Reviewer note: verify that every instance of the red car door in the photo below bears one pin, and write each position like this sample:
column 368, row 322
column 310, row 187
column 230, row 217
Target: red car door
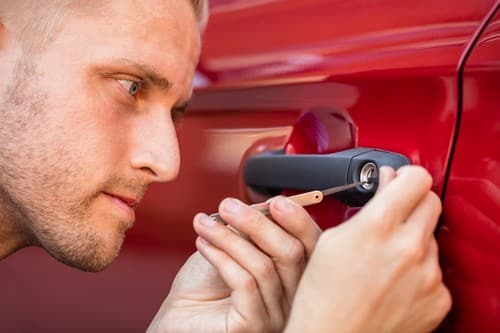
column 419, row 79
column 469, row 235
column 307, row 76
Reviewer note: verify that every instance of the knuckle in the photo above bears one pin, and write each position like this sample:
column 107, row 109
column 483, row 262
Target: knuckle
column 295, row 253
column 248, row 284
column 445, row 301
column 432, row 278
column 300, row 222
column 412, row 249
column 411, row 253
column 379, row 221
column 440, row 307
column 266, row 269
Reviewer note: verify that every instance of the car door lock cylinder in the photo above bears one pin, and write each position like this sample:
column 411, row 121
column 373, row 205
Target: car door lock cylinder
column 368, row 175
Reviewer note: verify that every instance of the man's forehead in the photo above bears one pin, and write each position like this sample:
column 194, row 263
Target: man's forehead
column 150, row 9
column 151, row 40
column 156, row 24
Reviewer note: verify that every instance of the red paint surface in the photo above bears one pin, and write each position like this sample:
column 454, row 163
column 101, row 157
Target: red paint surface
column 248, row 40
column 390, row 65
column 469, row 237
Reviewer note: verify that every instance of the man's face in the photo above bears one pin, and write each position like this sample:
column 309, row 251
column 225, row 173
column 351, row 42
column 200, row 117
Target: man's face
column 90, row 126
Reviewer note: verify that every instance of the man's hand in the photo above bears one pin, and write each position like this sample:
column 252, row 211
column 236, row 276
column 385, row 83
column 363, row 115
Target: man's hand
column 378, row 272
column 244, row 277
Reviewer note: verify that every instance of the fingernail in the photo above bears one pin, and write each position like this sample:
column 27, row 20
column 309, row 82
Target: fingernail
column 403, row 169
column 283, row 204
column 231, row 205
column 206, row 221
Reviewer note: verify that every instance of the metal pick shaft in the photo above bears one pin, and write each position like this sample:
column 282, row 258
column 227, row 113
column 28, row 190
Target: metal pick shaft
column 302, row 199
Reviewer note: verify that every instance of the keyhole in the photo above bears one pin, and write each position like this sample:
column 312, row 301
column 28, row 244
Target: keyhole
column 368, row 171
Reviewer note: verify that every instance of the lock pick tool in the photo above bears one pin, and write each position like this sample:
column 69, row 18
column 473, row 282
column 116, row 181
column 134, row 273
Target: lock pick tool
column 302, row 199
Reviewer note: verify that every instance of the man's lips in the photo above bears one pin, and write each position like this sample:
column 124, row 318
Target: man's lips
column 126, row 205
column 129, row 201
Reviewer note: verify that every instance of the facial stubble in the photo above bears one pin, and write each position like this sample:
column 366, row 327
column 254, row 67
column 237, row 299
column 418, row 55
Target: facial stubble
column 39, row 179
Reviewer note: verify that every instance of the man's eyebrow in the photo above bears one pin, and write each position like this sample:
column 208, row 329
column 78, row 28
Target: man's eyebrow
column 150, row 74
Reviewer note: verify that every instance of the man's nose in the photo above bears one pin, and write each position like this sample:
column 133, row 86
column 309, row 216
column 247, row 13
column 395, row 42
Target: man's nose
column 155, row 149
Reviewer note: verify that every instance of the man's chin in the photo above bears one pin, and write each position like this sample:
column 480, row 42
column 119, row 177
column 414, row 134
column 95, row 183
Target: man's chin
column 89, row 257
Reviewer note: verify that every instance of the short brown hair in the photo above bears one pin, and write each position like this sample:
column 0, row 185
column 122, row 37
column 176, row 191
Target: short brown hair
column 44, row 21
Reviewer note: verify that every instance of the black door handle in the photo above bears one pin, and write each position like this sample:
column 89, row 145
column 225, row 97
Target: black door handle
column 272, row 172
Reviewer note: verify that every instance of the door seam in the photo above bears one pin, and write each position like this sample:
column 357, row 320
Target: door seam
column 460, row 77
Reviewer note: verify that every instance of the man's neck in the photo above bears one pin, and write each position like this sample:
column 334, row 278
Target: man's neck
column 12, row 235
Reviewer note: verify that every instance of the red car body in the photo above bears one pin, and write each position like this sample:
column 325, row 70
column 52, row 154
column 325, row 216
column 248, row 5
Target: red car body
column 418, row 78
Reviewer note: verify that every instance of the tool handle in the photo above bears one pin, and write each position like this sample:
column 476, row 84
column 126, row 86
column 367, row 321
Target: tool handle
column 307, row 199
column 303, row 199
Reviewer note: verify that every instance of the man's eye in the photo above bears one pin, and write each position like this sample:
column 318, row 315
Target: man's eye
column 131, row 86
